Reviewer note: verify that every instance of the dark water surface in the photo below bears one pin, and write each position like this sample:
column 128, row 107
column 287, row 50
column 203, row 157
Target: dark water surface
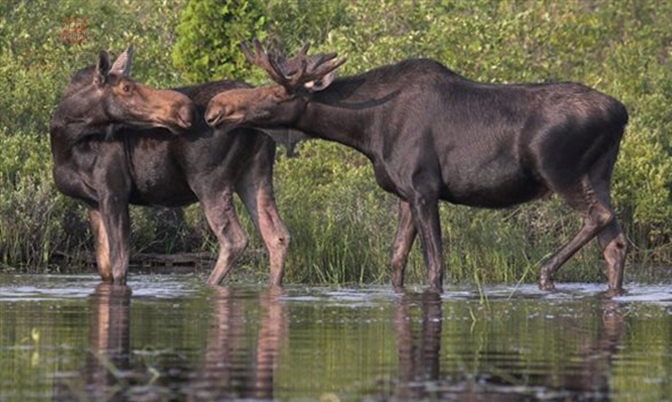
column 168, row 337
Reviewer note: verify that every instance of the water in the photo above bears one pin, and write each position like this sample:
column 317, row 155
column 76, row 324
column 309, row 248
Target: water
column 168, row 337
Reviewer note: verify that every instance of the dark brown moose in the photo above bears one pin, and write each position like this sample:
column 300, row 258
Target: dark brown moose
column 433, row 135
column 112, row 146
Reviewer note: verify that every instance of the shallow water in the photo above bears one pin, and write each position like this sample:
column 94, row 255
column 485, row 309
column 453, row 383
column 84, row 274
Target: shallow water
column 168, row 337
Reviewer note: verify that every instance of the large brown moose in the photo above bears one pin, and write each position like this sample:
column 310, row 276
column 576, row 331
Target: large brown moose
column 433, row 135
column 112, row 146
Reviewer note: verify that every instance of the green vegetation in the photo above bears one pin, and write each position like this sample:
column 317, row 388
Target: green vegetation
column 342, row 224
column 218, row 26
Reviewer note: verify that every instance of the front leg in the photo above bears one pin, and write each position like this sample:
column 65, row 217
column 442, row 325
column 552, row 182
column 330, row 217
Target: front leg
column 426, row 215
column 403, row 241
column 117, row 226
column 109, row 215
column 102, row 244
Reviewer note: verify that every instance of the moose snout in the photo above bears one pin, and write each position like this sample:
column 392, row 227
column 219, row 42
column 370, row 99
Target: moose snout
column 214, row 114
column 186, row 115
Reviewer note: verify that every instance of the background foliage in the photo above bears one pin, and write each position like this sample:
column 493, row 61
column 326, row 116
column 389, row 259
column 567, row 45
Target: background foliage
column 342, row 224
column 218, row 26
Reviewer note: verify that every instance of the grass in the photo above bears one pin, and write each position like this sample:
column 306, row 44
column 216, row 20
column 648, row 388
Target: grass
column 342, row 228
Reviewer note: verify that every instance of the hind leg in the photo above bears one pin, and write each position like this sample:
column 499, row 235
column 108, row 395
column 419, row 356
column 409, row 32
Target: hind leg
column 260, row 203
column 612, row 239
column 221, row 215
column 255, row 188
column 403, row 241
column 597, row 215
column 425, row 209
column 614, row 248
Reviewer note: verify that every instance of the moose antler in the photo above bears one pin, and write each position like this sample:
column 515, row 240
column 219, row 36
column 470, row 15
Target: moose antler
column 303, row 68
column 261, row 59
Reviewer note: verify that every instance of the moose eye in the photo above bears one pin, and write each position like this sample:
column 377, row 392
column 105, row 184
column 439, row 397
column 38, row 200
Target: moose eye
column 276, row 97
column 126, row 88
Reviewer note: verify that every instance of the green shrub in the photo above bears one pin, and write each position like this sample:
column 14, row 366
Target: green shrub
column 209, row 36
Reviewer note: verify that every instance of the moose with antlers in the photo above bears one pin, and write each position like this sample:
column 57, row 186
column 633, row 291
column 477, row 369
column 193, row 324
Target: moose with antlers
column 432, row 134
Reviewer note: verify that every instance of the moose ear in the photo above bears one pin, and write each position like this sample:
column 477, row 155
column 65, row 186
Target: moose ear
column 320, row 84
column 102, row 68
column 325, row 68
column 122, row 65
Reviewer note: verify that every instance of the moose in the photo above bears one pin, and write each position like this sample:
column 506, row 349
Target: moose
column 432, row 134
column 117, row 142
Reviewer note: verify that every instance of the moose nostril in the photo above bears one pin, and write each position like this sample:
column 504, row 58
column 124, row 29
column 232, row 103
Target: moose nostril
column 213, row 115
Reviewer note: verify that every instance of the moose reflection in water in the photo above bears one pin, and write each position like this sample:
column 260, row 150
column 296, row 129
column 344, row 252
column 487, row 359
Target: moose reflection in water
column 484, row 376
column 598, row 354
column 230, row 368
column 418, row 363
column 109, row 341
column 220, row 376
column 109, row 348
column 174, row 340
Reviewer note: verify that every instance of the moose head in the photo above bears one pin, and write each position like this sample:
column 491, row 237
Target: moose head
column 297, row 80
column 102, row 97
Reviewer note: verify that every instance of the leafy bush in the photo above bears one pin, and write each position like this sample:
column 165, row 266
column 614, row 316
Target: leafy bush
column 210, row 32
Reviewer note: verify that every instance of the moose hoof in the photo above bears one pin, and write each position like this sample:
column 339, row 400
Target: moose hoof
column 438, row 289
column 614, row 292
column 397, row 282
column 120, row 280
column 546, row 283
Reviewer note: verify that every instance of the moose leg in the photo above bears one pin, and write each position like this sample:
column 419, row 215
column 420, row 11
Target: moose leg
column 426, row 215
column 276, row 236
column 221, row 215
column 255, row 188
column 612, row 239
column 102, row 244
column 613, row 244
column 596, row 216
column 260, row 203
column 272, row 330
column 403, row 241
column 117, row 225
